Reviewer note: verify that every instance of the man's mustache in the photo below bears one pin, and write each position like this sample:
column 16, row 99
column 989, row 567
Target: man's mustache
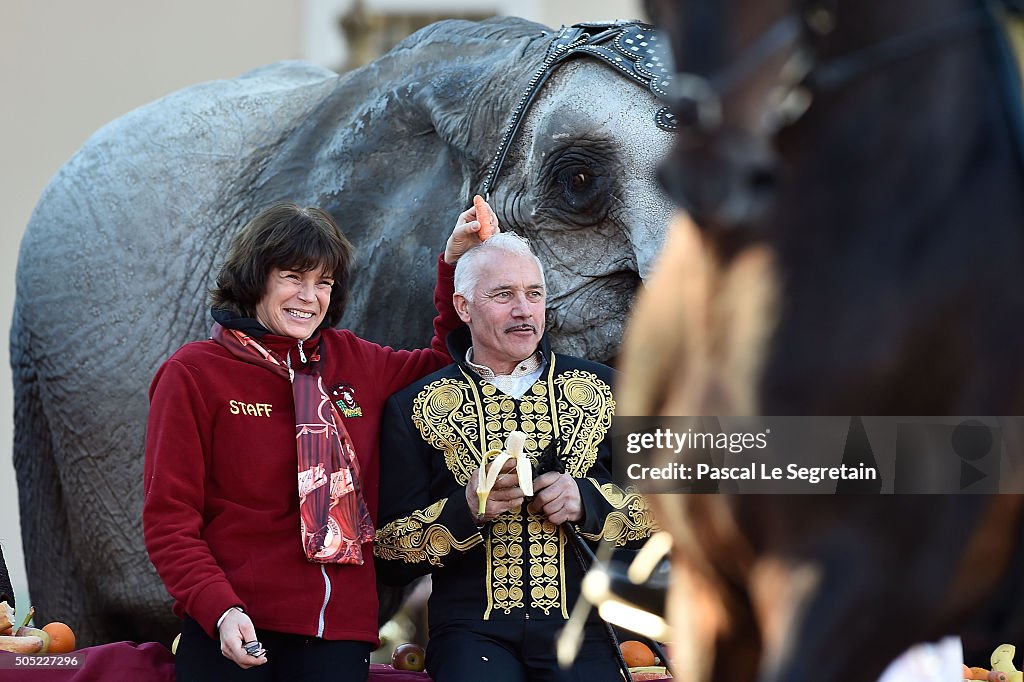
column 521, row 327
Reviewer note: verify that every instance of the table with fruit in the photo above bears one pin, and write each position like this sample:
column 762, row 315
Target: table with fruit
column 48, row 654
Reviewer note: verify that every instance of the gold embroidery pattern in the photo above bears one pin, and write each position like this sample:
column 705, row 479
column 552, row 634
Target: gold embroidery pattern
column 448, row 415
column 546, row 546
column 505, row 585
column 631, row 520
column 585, row 408
column 465, row 418
column 416, row 538
column 501, row 418
column 505, row 565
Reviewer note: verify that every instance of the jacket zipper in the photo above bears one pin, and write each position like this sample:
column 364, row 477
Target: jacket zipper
column 327, row 597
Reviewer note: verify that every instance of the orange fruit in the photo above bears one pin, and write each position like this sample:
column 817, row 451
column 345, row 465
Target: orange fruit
column 636, row 654
column 62, row 639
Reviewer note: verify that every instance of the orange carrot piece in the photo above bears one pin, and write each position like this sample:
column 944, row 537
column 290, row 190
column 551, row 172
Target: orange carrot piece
column 483, row 215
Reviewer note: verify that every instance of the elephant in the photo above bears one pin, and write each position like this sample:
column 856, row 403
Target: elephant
column 128, row 236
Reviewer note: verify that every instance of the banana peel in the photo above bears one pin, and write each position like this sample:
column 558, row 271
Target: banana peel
column 489, row 474
column 6, row 619
column 1002, row 661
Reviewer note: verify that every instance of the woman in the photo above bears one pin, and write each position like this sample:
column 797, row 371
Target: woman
column 273, row 575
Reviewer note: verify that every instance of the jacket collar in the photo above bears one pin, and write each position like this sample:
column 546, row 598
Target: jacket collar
column 282, row 345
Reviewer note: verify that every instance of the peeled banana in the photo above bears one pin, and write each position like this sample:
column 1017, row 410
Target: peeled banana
column 489, row 474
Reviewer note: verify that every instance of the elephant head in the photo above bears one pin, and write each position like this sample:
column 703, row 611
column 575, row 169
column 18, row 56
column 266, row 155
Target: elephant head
column 127, row 238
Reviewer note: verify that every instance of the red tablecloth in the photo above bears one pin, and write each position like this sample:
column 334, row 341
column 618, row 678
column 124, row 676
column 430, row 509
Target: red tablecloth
column 146, row 662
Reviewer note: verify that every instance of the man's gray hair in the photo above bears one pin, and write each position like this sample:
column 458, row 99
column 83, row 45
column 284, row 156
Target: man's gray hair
column 467, row 269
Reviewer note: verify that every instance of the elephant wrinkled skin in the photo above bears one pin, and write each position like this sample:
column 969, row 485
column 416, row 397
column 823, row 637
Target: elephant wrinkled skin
column 127, row 238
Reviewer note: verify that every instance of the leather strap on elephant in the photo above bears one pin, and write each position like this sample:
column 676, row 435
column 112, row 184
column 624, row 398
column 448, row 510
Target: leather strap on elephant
column 632, row 49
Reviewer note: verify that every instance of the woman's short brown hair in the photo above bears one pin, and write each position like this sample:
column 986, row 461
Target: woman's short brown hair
column 287, row 237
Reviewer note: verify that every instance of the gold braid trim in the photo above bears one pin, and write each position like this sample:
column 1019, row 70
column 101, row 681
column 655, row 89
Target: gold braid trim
column 449, row 417
column 464, row 418
column 416, row 538
column 546, row 551
column 631, row 519
column 583, row 410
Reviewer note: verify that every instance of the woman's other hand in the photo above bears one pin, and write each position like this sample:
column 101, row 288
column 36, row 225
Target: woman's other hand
column 467, row 232
column 235, row 630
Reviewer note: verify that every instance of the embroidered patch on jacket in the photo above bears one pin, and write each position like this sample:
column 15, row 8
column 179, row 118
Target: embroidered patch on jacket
column 344, row 396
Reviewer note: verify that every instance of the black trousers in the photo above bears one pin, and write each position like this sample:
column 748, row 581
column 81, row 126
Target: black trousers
column 289, row 657
column 515, row 651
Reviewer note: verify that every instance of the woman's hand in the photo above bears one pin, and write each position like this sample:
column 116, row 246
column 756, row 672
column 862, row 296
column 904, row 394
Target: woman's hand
column 466, row 234
column 235, row 630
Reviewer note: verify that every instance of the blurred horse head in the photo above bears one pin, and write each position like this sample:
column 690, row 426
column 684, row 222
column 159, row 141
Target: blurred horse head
column 853, row 174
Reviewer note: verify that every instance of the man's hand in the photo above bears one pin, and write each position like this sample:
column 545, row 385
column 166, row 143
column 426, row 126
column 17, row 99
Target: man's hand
column 557, row 498
column 506, row 493
column 466, row 235
column 235, row 630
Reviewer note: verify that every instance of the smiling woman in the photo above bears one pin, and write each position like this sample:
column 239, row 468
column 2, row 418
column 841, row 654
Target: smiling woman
column 296, row 302
column 234, row 418
column 290, row 271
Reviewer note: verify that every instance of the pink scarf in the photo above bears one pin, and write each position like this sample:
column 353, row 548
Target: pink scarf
column 334, row 519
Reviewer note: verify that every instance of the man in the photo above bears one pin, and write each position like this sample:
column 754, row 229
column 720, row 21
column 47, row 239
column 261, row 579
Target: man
column 503, row 581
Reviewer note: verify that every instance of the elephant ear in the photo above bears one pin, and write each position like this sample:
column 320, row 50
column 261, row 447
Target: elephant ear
column 470, row 104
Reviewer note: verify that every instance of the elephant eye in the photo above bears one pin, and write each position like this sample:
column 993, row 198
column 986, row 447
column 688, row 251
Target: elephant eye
column 580, row 180
column 579, row 183
column 576, row 180
column 581, row 189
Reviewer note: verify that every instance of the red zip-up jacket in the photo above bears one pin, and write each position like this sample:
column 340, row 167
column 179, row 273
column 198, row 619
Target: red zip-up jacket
column 221, row 514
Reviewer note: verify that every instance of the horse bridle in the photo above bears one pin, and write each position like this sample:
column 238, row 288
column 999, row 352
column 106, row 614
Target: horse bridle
column 631, row 48
column 696, row 99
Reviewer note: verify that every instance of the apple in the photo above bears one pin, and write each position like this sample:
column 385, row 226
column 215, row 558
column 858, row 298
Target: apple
column 408, row 656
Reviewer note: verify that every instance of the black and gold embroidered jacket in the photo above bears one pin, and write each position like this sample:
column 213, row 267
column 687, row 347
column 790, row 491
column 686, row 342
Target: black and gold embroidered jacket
column 519, row 566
